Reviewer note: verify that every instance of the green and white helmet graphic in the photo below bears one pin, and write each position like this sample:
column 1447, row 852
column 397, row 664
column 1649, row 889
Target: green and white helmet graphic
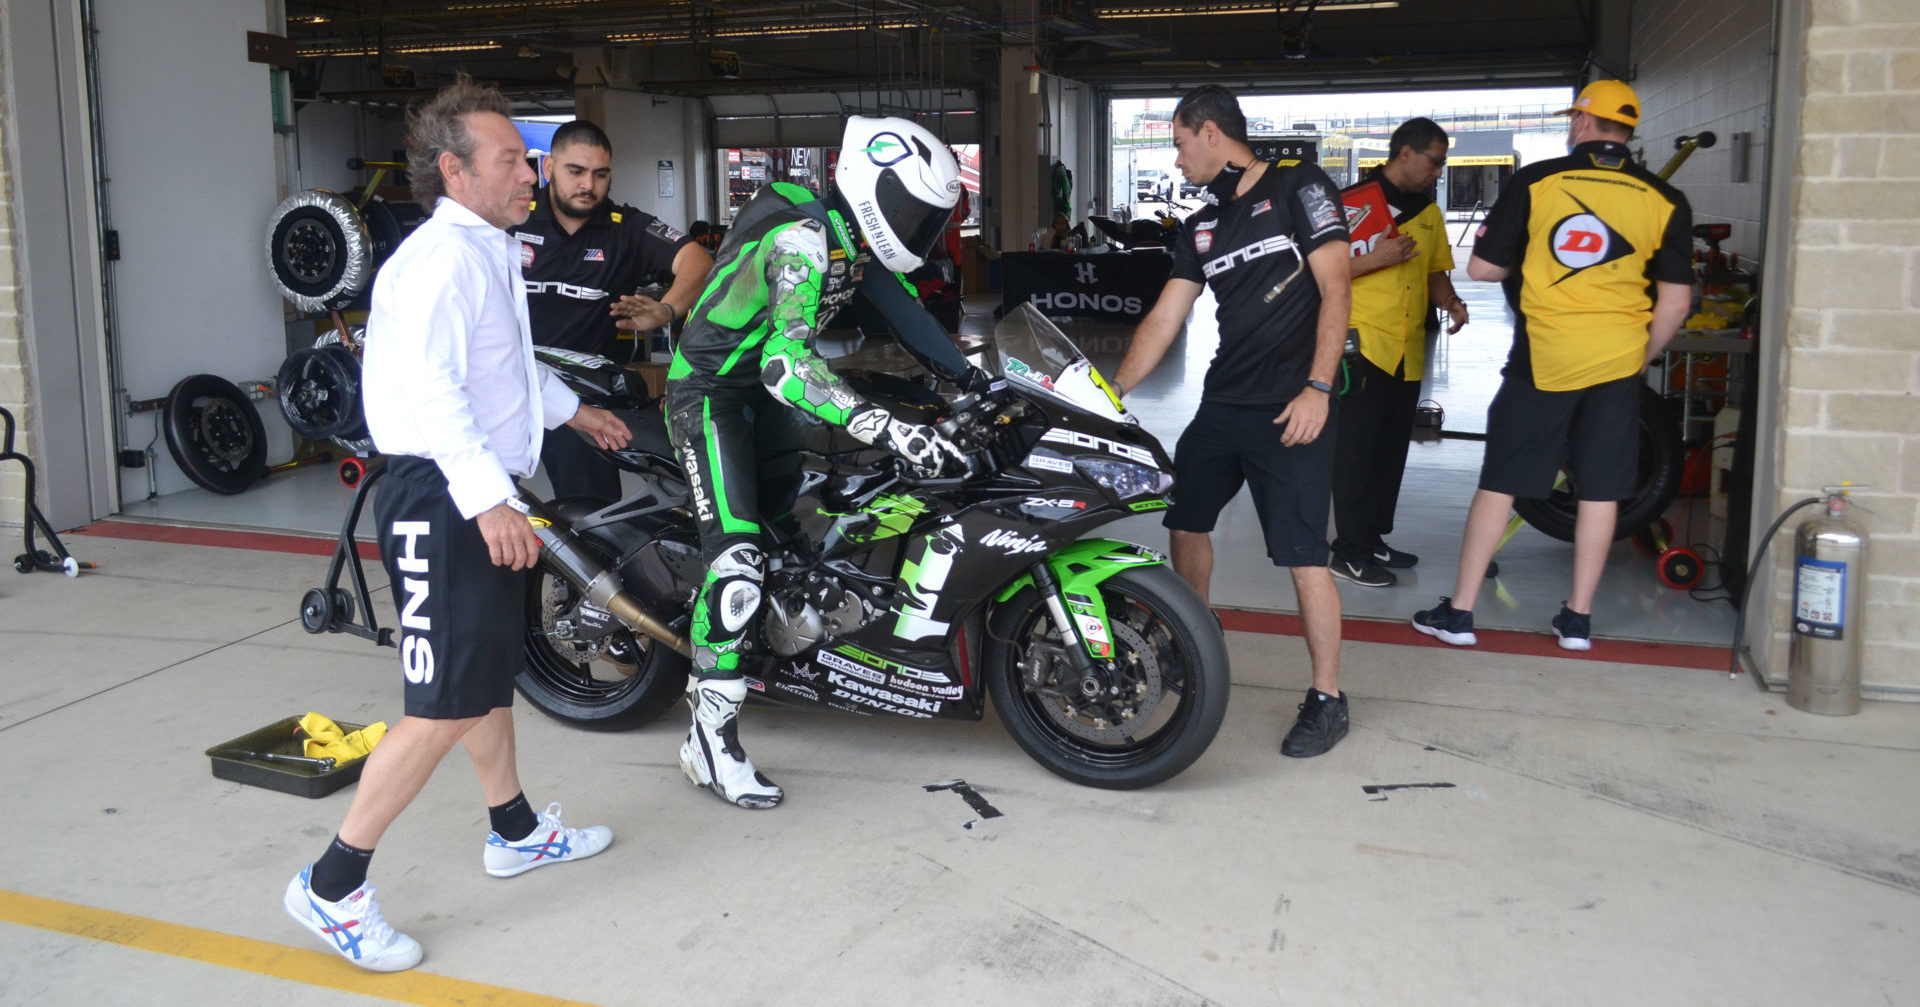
column 901, row 184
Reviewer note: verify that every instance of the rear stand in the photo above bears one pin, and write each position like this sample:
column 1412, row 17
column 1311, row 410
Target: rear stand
column 35, row 558
column 330, row 609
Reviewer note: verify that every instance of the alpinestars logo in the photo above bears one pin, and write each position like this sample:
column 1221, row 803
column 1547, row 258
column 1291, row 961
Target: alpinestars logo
column 1582, row 241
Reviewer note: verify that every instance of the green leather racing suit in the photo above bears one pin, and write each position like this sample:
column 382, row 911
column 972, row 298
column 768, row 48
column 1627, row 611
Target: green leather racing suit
column 788, row 264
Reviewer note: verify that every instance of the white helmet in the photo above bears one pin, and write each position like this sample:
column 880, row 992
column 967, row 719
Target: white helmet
column 901, row 184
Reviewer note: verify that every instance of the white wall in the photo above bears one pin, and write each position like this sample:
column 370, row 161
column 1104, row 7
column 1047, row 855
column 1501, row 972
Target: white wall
column 329, row 134
column 647, row 129
column 1706, row 65
column 188, row 141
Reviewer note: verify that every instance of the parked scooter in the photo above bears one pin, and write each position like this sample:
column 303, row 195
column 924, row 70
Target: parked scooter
column 894, row 594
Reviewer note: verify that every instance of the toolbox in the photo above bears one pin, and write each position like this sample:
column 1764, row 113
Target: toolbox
column 242, row 760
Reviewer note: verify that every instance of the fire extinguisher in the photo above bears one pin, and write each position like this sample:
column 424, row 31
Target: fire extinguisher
column 1829, row 593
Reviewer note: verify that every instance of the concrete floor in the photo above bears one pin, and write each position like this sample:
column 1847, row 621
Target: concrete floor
column 1611, row 834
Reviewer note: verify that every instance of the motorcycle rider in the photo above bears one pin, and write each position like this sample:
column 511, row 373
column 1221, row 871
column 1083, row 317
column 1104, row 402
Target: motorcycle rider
column 788, row 264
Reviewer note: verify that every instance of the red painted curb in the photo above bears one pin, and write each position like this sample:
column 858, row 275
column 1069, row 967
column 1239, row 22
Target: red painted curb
column 220, row 538
column 1494, row 641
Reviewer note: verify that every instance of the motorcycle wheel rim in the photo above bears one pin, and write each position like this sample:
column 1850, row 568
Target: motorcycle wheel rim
column 581, row 675
column 1166, row 665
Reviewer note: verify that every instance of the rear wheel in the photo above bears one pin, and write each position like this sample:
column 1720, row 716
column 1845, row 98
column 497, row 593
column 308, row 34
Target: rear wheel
column 1170, row 666
column 612, row 681
column 1656, row 483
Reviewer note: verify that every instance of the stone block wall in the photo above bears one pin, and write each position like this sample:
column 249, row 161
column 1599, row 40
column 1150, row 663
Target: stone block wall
column 1850, row 406
column 13, row 369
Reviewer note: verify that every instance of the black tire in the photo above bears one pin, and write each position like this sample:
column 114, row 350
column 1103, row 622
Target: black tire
column 1662, row 457
column 215, row 434
column 318, row 250
column 583, row 686
column 320, row 393
column 1159, row 622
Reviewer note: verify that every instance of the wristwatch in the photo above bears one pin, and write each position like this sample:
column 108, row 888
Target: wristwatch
column 1320, row 386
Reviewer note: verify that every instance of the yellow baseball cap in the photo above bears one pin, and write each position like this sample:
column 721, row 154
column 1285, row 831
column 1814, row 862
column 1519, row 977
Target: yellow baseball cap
column 1608, row 99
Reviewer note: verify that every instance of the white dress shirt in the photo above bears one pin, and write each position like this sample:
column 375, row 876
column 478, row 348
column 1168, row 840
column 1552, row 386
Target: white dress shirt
column 448, row 370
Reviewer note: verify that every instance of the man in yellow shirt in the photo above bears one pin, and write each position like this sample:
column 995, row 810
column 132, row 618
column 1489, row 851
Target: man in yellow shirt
column 1397, row 279
column 1593, row 250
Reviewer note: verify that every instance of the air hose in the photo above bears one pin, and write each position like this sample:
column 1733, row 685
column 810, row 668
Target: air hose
column 1746, row 589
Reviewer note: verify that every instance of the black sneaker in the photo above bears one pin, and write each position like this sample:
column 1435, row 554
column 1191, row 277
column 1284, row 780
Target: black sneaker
column 1393, row 559
column 1448, row 623
column 1322, row 723
column 1574, row 630
column 1362, row 571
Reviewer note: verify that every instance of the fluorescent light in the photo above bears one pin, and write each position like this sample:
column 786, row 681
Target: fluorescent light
column 323, row 53
column 1232, row 7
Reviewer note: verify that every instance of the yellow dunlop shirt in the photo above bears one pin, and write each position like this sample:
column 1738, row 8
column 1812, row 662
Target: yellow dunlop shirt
column 1589, row 233
column 1390, row 305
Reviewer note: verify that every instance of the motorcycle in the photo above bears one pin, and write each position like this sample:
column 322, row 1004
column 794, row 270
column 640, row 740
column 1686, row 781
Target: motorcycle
column 891, row 593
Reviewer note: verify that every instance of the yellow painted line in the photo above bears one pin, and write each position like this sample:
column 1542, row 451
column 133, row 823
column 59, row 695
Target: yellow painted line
column 315, row 968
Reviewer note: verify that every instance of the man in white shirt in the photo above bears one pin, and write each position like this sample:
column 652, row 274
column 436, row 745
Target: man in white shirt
column 454, row 397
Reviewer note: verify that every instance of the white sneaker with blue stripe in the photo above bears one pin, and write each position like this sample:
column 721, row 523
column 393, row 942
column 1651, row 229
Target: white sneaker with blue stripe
column 549, row 843
column 353, row 926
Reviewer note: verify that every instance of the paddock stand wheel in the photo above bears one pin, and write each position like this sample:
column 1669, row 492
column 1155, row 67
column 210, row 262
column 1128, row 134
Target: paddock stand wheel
column 1680, row 568
column 316, row 611
column 352, row 470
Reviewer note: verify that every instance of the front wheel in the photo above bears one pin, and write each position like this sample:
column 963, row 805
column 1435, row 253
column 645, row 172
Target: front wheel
column 1170, row 662
column 613, row 681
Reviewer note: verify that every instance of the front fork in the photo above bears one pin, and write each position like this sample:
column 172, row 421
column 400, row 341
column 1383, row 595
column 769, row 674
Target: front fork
column 1069, row 584
column 1096, row 677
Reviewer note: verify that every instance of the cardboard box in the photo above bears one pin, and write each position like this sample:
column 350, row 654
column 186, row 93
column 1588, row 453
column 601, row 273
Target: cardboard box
column 655, row 376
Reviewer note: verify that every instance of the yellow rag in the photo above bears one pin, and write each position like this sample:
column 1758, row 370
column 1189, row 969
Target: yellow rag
column 325, row 738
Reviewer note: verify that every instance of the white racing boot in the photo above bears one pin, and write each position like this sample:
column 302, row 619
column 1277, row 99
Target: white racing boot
column 712, row 756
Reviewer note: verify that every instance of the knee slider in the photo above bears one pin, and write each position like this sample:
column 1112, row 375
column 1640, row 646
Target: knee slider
column 734, row 597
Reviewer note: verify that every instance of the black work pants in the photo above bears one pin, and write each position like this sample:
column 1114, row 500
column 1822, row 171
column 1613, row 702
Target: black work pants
column 1373, row 429
column 576, row 468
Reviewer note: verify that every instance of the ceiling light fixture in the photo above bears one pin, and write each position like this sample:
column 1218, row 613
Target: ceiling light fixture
column 406, row 50
column 1229, row 7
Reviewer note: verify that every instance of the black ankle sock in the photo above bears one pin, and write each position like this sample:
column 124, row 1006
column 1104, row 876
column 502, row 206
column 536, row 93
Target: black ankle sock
column 513, row 820
column 339, row 871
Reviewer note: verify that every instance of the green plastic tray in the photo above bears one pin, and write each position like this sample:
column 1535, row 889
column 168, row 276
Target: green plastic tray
column 286, row 777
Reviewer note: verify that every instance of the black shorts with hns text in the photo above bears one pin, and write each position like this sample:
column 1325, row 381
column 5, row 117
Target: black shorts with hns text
column 1228, row 446
column 462, row 619
column 1594, row 433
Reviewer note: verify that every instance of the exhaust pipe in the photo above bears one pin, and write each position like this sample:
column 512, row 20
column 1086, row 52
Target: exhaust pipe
column 599, row 584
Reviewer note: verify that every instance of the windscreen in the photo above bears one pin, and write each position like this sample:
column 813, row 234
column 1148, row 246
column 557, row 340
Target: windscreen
column 1032, row 352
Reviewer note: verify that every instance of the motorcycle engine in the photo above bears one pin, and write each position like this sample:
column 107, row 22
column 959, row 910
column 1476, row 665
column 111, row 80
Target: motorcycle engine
column 806, row 610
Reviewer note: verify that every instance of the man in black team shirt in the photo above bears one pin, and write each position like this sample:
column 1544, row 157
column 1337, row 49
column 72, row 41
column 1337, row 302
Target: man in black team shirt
column 1273, row 247
column 582, row 257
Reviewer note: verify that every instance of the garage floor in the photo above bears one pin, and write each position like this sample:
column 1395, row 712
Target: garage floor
column 1497, row 829
column 1463, row 374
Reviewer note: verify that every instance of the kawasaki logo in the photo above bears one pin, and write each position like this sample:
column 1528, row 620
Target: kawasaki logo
column 855, row 690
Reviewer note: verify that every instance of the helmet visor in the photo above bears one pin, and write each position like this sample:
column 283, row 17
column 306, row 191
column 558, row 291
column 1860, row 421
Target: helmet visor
column 916, row 223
